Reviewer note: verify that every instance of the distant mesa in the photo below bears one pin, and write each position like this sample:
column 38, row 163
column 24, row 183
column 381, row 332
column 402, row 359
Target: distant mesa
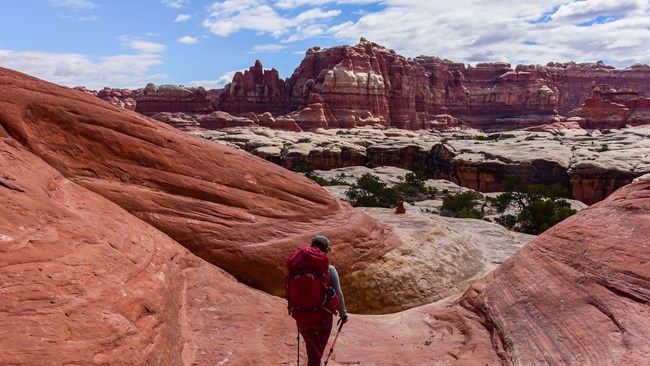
column 369, row 85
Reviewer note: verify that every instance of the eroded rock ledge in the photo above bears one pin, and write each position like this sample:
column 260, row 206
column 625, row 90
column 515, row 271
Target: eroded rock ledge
column 590, row 164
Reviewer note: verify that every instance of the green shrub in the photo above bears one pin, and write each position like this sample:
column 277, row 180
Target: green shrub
column 537, row 207
column 337, row 181
column 412, row 188
column 462, row 204
column 369, row 191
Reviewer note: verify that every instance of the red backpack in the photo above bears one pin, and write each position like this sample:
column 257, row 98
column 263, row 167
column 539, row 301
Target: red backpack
column 307, row 287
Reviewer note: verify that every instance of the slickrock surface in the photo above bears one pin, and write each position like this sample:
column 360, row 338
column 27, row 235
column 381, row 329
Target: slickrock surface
column 96, row 200
column 81, row 280
column 590, row 164
column 221, row 203
column 579, row 293
column 440, row 257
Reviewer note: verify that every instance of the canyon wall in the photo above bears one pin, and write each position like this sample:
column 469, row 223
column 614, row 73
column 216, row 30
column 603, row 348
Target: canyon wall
column 369, row 85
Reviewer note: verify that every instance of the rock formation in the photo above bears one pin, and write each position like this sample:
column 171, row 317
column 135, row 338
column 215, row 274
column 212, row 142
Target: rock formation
column 97, row 201
column 124, row 98
column 179, row 120
column 608, row 108
column 591, row 165
column 367, row 84
column 257, row 90
column 594, row 277
column 173, row 99
column 185, row 186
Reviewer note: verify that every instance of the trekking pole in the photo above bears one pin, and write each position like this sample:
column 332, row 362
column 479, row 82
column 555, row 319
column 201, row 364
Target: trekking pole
column 333, row 343
column 298, row 343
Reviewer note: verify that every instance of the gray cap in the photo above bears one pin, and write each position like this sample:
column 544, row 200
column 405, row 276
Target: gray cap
column 321, row 243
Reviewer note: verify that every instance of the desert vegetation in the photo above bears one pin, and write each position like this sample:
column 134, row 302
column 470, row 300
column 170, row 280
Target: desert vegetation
column 522, row 207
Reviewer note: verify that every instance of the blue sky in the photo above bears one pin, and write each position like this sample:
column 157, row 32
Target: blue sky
column 120, row 43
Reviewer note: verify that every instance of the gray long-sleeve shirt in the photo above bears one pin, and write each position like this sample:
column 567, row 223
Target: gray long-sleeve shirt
column 336, row 285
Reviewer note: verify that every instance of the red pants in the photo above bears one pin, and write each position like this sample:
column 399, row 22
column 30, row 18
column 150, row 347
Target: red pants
column 316, row 336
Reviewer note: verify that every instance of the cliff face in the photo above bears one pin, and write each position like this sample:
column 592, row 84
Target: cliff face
column 257, row 90
column 367, row 84
column 576, row 81
column 609, row 108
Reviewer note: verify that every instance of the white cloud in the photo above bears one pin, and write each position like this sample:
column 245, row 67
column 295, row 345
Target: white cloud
column 175, row 4
column 77, row 4
column 227, row 18
column 502, row 30
column 301, row 33
column 582, row 11
column 142, row 46
column 218, row 83
column 314, row 14
column 222, row 28
column 182, row 18
column 290, row 4
column 230, row 16
column 260, row 48
column 125, row 71
column 188, row 40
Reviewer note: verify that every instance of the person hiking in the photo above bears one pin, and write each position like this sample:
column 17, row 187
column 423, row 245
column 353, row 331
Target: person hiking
column 314, row 296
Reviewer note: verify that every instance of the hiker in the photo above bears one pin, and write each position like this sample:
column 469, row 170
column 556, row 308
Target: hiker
column 314, row 295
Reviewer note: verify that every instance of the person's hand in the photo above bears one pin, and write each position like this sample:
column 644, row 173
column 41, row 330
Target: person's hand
column 342, row 320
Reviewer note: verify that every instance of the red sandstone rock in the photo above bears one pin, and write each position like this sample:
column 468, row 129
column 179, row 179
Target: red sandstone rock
column 608, row 108
column 219, row 119
column 367, row 84
column 179, row 120
column 257, row 90
column 578, row 294
column 265, row 119
column 220, row 203
column 174, row 99
column 285, row 123
column 86, row 283
column 316, row 115
column 365, row 81
column 123, row 98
